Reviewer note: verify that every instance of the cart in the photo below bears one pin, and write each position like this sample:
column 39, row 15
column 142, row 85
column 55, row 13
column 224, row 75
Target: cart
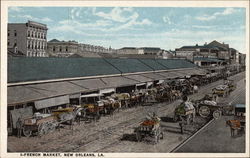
column 208, row 108
column 40, row 124
column 221, row 90
column 149, row 128
column 184, row 116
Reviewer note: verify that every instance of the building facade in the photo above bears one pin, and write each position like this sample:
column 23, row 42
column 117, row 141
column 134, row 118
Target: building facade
column 129, row 50
column 28, row 38
column 190, row 52
column 58, row 48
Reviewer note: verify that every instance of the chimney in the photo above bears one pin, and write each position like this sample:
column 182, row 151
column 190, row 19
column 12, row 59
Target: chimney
column 196, row 45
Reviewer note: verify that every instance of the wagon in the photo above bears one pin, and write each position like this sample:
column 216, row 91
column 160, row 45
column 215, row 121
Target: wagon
column 183, row 115
column 40, row 124
column 92, row 111
column 149, row 128
column 221, row 90
column 208, row 108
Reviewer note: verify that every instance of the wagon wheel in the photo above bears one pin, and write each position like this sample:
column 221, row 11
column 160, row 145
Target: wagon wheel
column 52, row 126
column 43, row 129
column 204, row 111
column 40, row 129
column 217, row 114
column 27, row 132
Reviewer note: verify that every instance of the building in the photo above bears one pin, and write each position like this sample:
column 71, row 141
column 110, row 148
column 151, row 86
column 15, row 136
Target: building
column 28, row 38
column 189, row 52
column 58, row 48
column 129, row 50
column 150, row 51
column 224, row 50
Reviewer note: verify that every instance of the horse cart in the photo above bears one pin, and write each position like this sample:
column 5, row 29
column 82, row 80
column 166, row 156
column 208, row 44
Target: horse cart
column 149, row 128
column 42, row 124
column 208, row 107
column 184, row 115
column 221, row 90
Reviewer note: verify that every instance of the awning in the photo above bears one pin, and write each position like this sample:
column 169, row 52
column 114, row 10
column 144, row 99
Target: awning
column 149, row 84
column 141, row 84
column 77, row 95
column 29, row 93
column 90, row 84
column 170, row 75
column 110, row 90
column 41, row 104
column 139, row 78
column 160, row 82
column 154, row 76
column 91, row 95
column 118, row 81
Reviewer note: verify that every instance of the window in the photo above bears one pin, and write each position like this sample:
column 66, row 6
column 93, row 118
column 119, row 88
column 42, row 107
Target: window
column 60, row 49
column 8, row 43
column 66, row 48
column 54, row 48
column 15, row 34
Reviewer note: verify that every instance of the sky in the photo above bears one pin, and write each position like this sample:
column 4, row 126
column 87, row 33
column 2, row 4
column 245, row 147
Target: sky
column 164, row 27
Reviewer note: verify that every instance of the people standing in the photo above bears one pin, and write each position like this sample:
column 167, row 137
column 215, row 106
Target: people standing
column 19, row 126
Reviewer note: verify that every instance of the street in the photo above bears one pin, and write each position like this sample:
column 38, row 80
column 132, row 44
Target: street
column 115, row 133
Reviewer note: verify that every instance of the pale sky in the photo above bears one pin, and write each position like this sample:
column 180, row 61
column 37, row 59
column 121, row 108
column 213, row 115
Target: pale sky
column 164, row 27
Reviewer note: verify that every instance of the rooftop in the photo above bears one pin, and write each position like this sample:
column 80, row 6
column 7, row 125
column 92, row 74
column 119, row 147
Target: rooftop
column 22, row 69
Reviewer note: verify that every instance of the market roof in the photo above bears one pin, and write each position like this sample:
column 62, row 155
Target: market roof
column 24, row 69
column 176, row 63
column 35, row 69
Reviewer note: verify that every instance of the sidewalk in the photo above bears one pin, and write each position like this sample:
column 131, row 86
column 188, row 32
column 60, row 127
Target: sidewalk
column 215, row 138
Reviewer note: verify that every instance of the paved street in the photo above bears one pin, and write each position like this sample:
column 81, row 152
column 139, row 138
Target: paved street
column 115, row 133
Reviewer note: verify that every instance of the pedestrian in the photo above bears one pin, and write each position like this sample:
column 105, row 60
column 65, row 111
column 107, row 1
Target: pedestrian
column 19, row 126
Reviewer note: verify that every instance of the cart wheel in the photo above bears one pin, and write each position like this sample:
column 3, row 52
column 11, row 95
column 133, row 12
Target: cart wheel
column 27, row 132
column 204, row 111
column 217, row 114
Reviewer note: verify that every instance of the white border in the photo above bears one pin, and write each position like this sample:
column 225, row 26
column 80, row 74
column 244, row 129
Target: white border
column 3, row 97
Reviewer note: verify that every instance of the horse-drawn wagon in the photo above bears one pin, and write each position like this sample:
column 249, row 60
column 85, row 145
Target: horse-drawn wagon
column 184, row 113
column 149, row 128
column 221, row 90
column 42, row 124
